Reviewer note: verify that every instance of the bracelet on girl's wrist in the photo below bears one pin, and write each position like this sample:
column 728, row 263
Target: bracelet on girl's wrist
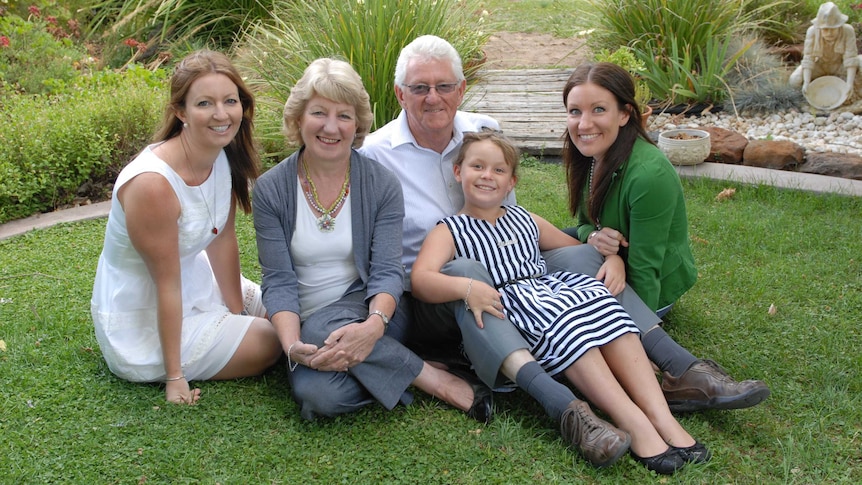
column 467, row 296
column 171, row 379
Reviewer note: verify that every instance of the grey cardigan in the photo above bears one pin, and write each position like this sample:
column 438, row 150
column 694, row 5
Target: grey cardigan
column 377, row 222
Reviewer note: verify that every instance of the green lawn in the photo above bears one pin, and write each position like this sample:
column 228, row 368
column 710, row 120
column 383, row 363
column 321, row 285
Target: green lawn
column 66, row 419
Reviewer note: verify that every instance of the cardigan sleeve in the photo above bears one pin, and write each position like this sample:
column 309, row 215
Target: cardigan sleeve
column 384, row 229
column 274, row 217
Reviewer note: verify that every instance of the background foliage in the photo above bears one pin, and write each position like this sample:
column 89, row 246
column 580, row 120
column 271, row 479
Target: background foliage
column 52, row 146
column 368, row 34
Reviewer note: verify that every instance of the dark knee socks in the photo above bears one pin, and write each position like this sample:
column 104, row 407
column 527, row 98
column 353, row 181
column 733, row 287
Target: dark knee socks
column 668, row 355
column 552, row 395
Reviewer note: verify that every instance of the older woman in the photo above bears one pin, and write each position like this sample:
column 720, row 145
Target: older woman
column 329, row 224
column 169, row 303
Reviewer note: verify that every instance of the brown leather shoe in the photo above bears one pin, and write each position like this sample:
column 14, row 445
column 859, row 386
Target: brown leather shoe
column 600, row 442
column 705, row 385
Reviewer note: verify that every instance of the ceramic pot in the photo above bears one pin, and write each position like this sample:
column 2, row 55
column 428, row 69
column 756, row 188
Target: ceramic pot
column 645, row 114
column 685, row 146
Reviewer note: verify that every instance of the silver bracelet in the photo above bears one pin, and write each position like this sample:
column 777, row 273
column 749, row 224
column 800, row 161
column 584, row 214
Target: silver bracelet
column 469, row 287
column 171, row 379
column 291, row 365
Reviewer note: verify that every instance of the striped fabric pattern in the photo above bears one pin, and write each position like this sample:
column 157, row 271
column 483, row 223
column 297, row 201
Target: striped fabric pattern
column 560, row 315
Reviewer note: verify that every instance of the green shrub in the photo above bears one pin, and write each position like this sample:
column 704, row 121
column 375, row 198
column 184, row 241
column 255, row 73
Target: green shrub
column 37, row 52
column 625, row 58
column 168, row 25
column 369, row 34
column 685, row 45
column 51, row 145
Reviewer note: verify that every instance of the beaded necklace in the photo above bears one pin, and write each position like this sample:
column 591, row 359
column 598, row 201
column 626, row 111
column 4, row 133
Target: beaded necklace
column 326, row 222
column 590, row 191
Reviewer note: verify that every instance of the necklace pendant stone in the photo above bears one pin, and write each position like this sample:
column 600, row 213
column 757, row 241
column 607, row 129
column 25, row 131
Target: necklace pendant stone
column 326, row 223
column 215, row 230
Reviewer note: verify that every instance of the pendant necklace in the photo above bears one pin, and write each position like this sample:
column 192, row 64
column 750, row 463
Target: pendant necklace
column 212, row 216
column 326, row 222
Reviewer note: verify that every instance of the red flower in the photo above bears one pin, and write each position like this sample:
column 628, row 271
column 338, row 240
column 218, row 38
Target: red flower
column 51, row 19
column 34, row 10
column 131, row 42
column 4, row 41
column 856, row 7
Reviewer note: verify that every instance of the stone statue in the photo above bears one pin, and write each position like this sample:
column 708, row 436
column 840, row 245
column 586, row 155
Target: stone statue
column 829, row 50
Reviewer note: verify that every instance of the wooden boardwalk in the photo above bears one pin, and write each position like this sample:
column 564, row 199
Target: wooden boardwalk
column 528, row 103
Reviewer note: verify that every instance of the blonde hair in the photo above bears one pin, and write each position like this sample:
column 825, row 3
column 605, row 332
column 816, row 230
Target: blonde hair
column 334, row 80
column 511, row 154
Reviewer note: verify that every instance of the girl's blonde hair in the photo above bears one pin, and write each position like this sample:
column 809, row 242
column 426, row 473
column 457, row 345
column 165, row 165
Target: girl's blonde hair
column 511, row 154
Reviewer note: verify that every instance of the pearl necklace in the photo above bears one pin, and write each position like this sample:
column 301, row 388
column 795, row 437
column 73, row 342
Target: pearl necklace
column 326, row 222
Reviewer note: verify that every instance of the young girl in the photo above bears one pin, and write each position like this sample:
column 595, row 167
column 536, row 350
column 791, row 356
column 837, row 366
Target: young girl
column 571, row 321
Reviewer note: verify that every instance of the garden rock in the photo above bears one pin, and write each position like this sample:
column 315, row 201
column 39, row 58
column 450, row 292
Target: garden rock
column 777, row 155
column 727, row 145
column 845, row 165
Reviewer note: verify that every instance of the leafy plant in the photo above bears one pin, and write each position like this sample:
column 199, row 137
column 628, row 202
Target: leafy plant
column 682, row 80
column 625, row 57
column 51, row 145
column 680, row 41
column 38, row 51
column 369, row 34
column 166, row 24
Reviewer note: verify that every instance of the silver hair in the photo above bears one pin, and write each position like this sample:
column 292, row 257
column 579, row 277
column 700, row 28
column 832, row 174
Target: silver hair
column 427, row 47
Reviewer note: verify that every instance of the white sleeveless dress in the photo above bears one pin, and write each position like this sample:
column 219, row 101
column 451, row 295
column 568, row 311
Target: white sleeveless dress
column 561, row 315
column 124, row 304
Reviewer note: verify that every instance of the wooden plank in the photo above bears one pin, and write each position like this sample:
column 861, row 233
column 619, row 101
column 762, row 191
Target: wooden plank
column 527, row 103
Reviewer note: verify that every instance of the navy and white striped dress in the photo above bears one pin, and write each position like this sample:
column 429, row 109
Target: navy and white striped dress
column 560, row 315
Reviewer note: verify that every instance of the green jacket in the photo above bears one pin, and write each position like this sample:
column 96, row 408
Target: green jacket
column 646, row 204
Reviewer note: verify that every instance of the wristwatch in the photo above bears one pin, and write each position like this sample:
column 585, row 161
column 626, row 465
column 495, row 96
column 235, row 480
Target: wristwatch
column 382, row 316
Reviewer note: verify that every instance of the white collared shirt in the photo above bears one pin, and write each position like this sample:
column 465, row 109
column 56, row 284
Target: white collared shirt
column 427, row 179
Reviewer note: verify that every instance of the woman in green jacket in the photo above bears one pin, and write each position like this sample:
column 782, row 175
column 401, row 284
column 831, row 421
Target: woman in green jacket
column 625, row 193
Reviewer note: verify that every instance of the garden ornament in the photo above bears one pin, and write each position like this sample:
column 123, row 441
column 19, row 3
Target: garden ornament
column 829, row 50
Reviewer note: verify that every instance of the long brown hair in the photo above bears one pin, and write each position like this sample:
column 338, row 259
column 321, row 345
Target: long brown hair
column 620, row 83
column 242, row 154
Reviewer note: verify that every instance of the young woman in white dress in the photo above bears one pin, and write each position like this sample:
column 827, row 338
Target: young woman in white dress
column 169, row 303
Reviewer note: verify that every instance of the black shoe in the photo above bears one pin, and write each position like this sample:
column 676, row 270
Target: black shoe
column 696, row 453
column 483, row 399
column 665, row 463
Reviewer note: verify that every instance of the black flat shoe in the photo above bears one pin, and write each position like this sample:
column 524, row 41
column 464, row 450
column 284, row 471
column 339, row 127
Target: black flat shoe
column 483, row 398
column 665, row 463
column 696, row 453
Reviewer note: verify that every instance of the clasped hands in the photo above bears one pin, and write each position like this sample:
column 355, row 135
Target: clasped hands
column 344, row 348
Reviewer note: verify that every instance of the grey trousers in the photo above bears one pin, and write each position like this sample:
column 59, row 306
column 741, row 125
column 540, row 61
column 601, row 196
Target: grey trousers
column 439, row 330
column 384, row 376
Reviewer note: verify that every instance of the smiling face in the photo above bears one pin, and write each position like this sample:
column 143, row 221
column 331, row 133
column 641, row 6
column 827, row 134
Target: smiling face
column 432, row 115
column 485, row 176
column 594, row 119
column 327, row 129
column 212, row 110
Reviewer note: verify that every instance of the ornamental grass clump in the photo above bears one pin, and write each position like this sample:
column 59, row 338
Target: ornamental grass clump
column 686, row 46
column 369, row 34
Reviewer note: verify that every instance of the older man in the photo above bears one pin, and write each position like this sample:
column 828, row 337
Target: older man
column 419, row 146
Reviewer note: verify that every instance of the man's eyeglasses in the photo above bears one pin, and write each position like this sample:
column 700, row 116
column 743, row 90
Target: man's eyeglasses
column 424, row 89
